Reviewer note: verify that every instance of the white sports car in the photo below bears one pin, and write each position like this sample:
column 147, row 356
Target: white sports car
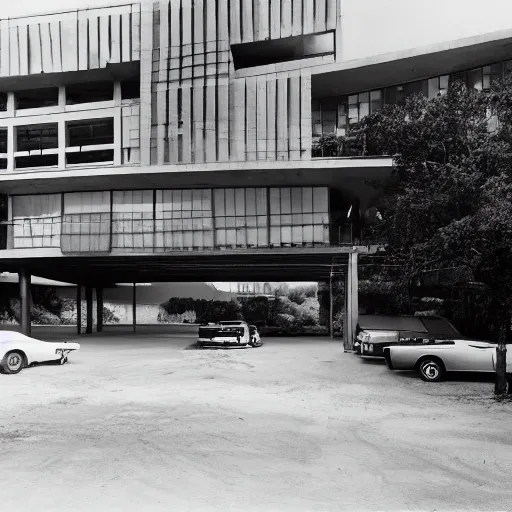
column 433, row 359
column 18, row 351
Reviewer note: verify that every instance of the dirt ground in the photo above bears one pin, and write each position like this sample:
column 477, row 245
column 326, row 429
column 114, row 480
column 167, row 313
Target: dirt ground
column 147, row 423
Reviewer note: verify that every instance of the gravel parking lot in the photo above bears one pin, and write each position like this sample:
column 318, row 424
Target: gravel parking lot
column 149, row 423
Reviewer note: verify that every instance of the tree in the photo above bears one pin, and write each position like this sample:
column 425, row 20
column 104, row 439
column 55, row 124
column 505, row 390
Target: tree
column 449, row 200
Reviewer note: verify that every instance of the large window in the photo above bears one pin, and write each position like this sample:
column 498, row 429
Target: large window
column 89, row 92
column 37, row 98
column 241, row 218
column 173, row 220
column 299, row 216
column 184, row 219
column 337, row 114
column 132, row 220
column 36, row 220
column 86, row 222
column 273, row 51
column 90, row 141
column 36, row 145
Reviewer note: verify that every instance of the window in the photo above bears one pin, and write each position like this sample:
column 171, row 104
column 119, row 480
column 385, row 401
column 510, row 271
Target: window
column 286, row 49
column 90, row 132
column 316, row 118
column 475, row 79
column 132, row 220
column 89, row 92
column 130, row 89
column 299, row 216
column 36, row 145
column 329, row 112
column 3, row 101
column 37, row 98
column 37, row 220
column 86, row 222
column 86, row 141
column 3, row 148
column 241, row 217
column 184, row 219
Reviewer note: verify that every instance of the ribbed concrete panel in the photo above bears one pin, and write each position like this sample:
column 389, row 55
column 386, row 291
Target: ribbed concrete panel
column 70, row 41
column 205, row 111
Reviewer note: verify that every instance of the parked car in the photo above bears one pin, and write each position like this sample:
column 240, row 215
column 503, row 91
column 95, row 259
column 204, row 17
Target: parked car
column 235, row 334
column 434, row 358
column 18, row 351
column 374, row 332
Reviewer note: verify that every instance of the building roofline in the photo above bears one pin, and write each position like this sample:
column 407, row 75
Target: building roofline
column 38, row 14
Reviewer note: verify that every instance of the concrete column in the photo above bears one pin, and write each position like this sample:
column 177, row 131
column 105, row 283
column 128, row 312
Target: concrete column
column 331, row 307
column 88, row 299
column 79, row 309
column 99, row 309
column 351, row 302
column 134, row 307
column 25, row 300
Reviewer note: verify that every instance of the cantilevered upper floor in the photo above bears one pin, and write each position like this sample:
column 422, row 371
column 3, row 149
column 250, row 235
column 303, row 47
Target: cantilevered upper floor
column 174, row 84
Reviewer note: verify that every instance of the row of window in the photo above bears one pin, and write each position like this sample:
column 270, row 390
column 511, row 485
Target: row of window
column 172, row 219
column 336, row 115
column 39, row 143
column 84, row 92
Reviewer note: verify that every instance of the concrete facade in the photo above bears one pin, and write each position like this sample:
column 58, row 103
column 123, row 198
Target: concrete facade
column 176, row 140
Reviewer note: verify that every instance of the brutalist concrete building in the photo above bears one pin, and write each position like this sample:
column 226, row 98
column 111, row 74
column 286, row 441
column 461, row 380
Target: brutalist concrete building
column 175, row 140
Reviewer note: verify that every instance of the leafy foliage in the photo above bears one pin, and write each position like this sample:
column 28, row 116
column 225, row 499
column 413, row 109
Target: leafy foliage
column 206, row 310
column 448, row 203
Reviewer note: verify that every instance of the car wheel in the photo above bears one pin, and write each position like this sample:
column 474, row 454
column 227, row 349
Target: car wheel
column 431, row 370
column 13, row 362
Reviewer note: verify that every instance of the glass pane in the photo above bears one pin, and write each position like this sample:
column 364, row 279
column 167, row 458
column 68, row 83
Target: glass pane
column 433, row 87
column 496, row 72
column 444, row 81
column 475, row 79
column 318, row 44
column 375, row 101
column 353, row 110
column 364, row 104
column 342, row 114
column 316, row 119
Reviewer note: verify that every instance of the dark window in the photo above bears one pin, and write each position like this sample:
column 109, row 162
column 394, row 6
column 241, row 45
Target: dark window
column 37, row 137
column 37, row 98
column 130, row 89
column 3, row 101
column 89, row 157
column 286, row 49
column 89, row 92
column 3, row 148
column 90, row 132
column 3, row 141
column 22, row 162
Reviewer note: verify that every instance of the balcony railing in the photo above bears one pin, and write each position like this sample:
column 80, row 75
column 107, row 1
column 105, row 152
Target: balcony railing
column 99, row 233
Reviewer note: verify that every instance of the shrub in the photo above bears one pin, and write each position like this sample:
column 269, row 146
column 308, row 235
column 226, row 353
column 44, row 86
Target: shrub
column 109, row 317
